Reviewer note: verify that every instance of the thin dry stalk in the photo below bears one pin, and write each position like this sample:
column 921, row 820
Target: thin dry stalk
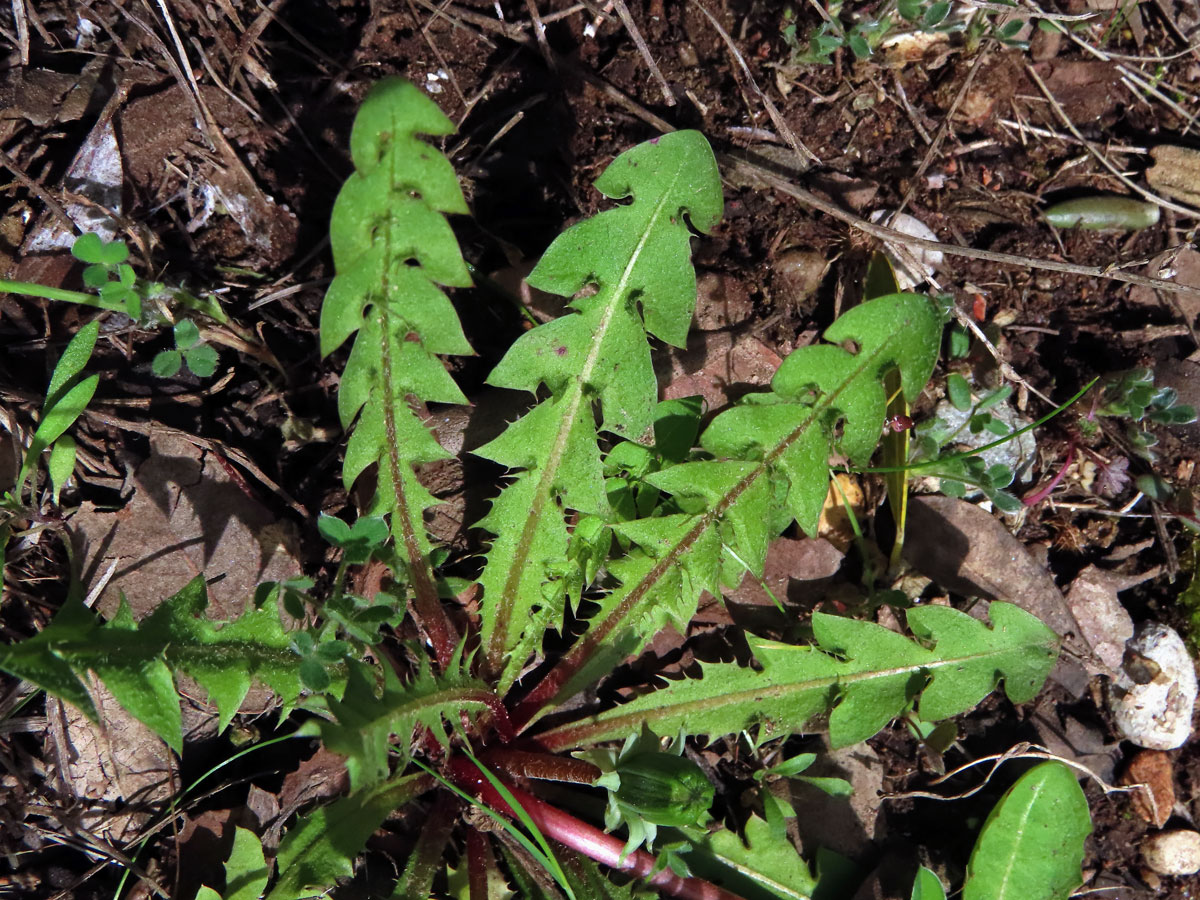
column 943, row 130
column 250, row 38
column 805, row 155
column 539, row 32
column 36, row 188
column 1020, row 751
column 1104, row 160
column 22, row 23
column 644, row 49
column 752, row 170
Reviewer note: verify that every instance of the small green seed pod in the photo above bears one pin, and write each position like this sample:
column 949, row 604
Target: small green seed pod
column 1103, row 213
column 664, row 789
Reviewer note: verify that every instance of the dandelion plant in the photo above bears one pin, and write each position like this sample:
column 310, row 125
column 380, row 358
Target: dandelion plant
column 610, row 525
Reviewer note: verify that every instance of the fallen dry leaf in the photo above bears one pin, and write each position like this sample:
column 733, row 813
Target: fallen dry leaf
column 1086, row 89
column 1067, row 737
column 187, row 516
column 1103, row 621
column 794, row 572
column 117, row 767
column 718, row 366
column 721, row 301
column 846, row 825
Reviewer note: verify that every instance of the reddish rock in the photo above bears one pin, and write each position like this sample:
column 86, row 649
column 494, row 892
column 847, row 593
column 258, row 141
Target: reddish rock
column 1152, row 768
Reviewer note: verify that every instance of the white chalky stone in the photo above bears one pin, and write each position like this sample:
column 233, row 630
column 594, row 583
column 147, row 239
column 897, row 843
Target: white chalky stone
column 1158, row 714
column 1173, row 852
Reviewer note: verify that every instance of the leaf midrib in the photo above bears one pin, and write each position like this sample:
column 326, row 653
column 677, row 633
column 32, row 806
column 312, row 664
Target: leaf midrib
column 580, row 730
column 500, row 643
column 598, row 631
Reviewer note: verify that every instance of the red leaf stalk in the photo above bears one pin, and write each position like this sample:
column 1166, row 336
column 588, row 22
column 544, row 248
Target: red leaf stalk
column 1041, row 494
column 582, row 837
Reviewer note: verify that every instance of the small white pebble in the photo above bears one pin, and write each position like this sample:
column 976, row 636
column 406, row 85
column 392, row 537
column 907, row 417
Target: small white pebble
column 1173, row 852
column 1157, row 712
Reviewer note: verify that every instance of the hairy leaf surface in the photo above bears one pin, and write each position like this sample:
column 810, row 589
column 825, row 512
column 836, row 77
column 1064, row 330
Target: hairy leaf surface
column 369, row 715
column 861, row 674
column 322, row 846
column 392, row 248
column 764, row 862
column 824, row 399
column 637, row 258
column 246, row 871
column 136, row 661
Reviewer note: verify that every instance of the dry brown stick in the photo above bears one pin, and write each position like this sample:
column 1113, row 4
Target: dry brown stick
column 1173, row 27
column 518, row 36
column 644, row 49
column 443, row 63
column 251, row 36
column 22, row 23
column 539, row 31
column 35, row 188
column 183, row 67
column 1133, row 79
column 801, row 151
column 1148, row 333
column 909, row 109
column 451, row 13
column 1104, row 160
column 773, row 181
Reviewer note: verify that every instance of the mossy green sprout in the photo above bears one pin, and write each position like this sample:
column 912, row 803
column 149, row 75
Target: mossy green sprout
column 649, row 787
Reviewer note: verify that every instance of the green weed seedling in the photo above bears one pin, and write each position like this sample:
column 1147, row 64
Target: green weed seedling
column 862, row 28
column 67, row 395
column 957, row 473
column 1030, row 847
column 116, row 286
column 616, row 515
column 1132, row 398
column 199, row 357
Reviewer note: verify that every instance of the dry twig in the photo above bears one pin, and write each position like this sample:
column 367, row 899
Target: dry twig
column 752, row 170
column 801, row 151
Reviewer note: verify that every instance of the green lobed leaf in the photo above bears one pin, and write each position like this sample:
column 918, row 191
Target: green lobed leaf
column 246, row 871
column 392, row 248
column 136, row 661
column 637, row 258
column 322, row 846
column 426, row 858
column 824, row 399
column 1031, row 846
column 862, row 675
column 765, row 865
column 369, row 715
